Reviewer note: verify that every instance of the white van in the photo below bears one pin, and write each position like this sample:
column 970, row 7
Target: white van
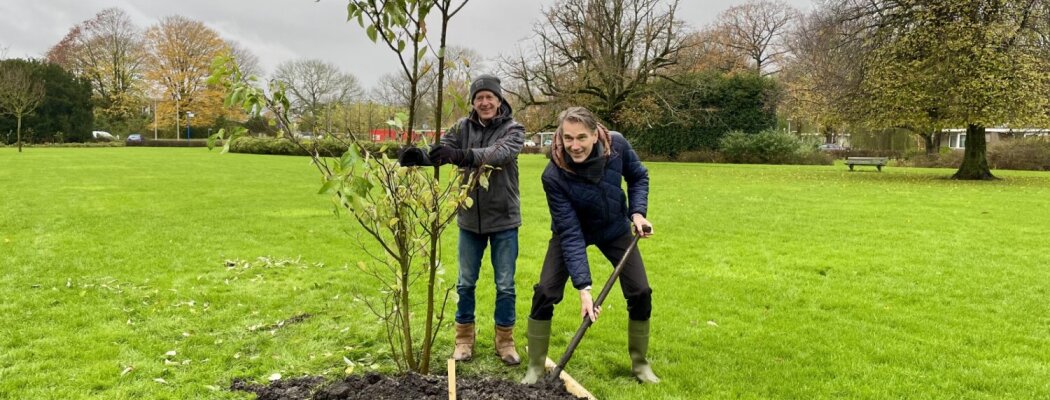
column 102, row 135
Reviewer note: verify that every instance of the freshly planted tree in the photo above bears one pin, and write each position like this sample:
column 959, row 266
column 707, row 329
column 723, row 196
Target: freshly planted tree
column 404, row 209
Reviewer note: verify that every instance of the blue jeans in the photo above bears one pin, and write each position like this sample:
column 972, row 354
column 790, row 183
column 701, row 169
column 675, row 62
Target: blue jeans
column 504, row 255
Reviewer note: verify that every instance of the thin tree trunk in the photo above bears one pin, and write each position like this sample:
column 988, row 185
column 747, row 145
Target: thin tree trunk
column 406, row 309
column 435, row 207
column 975, row 161
column 19, row 133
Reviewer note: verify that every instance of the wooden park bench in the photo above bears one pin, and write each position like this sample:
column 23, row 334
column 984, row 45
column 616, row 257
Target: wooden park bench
column 878, row 162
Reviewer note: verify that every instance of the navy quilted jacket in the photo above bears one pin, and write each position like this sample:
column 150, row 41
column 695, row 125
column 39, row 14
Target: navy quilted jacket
column 585, row 213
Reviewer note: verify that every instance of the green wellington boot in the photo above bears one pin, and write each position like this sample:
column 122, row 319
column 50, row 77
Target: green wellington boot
column 539, row 333
column 637, row 346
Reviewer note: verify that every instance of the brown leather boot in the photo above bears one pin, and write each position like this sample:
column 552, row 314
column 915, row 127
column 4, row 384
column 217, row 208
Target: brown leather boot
column 505, row 345
column 464, row 342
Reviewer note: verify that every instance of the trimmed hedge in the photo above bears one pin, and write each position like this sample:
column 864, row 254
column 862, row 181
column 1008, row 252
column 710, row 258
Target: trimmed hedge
column 78, row 145
column 171, row 143
column 1023, row 154
column 695, row 156
column 285, row 147
column 771, row 147
column 842, row 154
column 952, row 159
column 1016, row 154
column 535, row 150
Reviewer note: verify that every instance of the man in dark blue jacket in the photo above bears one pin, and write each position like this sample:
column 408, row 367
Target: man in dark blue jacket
column 588, row 206
column 489, row 135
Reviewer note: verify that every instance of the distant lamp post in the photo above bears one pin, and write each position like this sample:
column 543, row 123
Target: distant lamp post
column 155, row 119
column 188, row 116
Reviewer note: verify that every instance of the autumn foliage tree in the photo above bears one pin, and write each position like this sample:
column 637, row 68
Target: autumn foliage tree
column 822, row 78
column 705, row 50
column 180, row 52
column 107, row 50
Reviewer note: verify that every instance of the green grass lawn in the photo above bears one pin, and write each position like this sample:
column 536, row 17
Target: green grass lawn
column 802, row 282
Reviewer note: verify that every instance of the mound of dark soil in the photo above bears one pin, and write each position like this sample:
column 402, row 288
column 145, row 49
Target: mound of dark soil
column 410, row 386
column 283, row 389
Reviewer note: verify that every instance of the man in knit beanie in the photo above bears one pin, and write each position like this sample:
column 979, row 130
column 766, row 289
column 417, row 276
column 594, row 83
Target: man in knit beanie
column 489, row 135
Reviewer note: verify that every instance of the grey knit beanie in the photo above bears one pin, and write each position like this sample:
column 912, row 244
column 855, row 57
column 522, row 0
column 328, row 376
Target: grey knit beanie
column 486, row 82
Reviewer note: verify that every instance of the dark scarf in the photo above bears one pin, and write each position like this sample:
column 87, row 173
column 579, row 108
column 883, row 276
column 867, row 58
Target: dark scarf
column 592, row 168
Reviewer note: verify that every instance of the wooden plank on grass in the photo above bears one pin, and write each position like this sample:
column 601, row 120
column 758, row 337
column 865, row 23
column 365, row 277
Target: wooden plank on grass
column 570, row 384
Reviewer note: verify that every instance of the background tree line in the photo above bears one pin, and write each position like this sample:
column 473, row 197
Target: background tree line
column 867, row 68
column 864, row 67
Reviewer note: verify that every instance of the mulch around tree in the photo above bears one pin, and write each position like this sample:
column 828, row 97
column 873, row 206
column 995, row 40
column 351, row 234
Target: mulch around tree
column 374, row 386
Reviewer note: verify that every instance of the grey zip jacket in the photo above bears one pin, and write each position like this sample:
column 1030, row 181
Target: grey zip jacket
column 497, row 144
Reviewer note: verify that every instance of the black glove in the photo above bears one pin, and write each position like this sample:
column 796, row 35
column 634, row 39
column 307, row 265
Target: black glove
column 447, row 155
column 413, row 157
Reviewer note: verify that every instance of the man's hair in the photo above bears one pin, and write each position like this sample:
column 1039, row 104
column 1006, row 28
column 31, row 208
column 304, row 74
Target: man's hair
column 585, row 117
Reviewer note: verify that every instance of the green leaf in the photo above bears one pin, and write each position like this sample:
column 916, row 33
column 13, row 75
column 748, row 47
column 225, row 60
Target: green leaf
column 212, row 138
column 469, row 202
column 351, row 11
column 347, row 159
column 371, row 31
column 328, row 186
column 400, row 46
column 483, row 181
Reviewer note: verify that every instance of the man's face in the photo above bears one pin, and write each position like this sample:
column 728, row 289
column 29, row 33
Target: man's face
column 486, row 104
column 578, row 139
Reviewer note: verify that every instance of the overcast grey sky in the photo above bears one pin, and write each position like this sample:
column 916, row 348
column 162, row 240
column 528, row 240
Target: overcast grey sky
column 281, row 30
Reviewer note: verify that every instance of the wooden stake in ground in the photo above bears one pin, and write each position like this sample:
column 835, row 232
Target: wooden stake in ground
column 451, row 379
